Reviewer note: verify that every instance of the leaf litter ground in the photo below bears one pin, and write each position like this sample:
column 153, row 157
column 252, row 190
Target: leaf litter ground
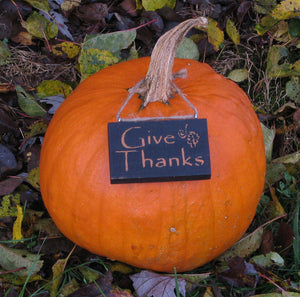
column 45, row 53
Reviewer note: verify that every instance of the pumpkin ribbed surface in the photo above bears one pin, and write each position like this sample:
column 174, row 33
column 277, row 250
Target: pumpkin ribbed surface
column 158, row 226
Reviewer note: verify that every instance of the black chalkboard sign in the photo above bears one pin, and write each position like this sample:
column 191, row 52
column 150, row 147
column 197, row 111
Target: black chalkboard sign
column 166, row 150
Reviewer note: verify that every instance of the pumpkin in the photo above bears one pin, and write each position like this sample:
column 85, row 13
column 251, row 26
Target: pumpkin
column 159, row 225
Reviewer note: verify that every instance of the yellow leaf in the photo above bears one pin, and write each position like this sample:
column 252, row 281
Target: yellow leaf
column 57, row 269
column 17, row 227
column 33, row 177
column 275, row 208
column 7, row 207
column 66, row 48
column 232, row 32
column 70, row 4
column 215, row 35
column 287, row 9
column 151, row 5
column 49, row 88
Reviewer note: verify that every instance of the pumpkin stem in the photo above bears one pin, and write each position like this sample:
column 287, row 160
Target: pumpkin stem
column 158, row 85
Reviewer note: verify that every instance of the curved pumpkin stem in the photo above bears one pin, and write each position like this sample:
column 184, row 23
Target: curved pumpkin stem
column 158, row 85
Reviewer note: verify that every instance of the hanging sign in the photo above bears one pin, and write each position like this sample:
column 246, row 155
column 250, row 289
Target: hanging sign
column 166, row 150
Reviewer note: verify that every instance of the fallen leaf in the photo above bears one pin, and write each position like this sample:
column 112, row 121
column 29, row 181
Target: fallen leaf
column 4, row 53
column 215, row 35
column 275, row 172
column 24, row 38
column 284, row 294
column 187, row 49
column 240, row 273
column 268, row 260
column 148, row 283
column 8, row 205
column 284, row 238
column 264, row 6
column 8, row 185
column 61, row 22
column 269, row 136
column 28, row 103
column 53, row 87
column 93, row 12
column 266, row 23
column 103, row 50
column 70, row 4
column 286, row 9
column 7, row 159
column 243, row 9
column 65, row 48
column 17, row 227
column 294, row 27
column 11, row 259
column 152, row 5
column 39, row 26
column 244, row 247
column 275, row 209
column 274, row 69
column 55, row 101
column 33, row 177
column 57, row 274
column 238, row 75
column 292, row 88
column 39, row 4
column 267, row 242
column 232, row 32
column 37, row 128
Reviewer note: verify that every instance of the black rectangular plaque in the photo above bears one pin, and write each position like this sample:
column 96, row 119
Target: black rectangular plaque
column 166, row 150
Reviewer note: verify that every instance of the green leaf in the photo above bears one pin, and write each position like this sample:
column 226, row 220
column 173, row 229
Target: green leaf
column 33, row 177
column 49, row 88
column 266, row 23
column 11, row 259
column 268, row 260
column 275, row 54
column 238, row 75
column 28, row 103
column 215, row 35
column 4, row 53
column 294, row 27
column 151, row 5
column 187, row 49
column 112, row 42
column 102, row 50
column 39, row 4
column 93, row 60
column 37, row 128
column 264, row 6
column 37, row 26
column 293, row 88
column 286, row 9
column 232, row 32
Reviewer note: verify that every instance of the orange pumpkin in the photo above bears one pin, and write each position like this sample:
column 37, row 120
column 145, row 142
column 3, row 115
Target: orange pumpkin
column 157, row 226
